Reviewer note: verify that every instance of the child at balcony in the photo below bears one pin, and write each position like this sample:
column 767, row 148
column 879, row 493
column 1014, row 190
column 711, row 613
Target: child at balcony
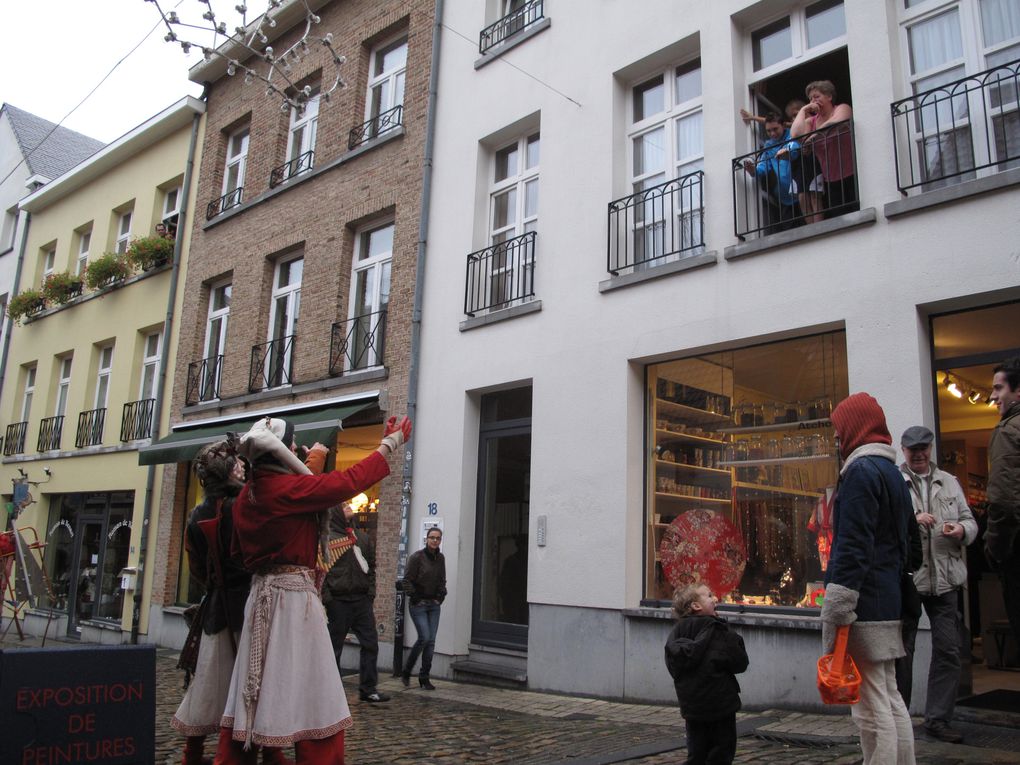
column 703, row 657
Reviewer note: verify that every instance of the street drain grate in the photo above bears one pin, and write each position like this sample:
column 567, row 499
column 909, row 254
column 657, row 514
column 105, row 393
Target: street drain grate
column 984, row 736
column 805, row 740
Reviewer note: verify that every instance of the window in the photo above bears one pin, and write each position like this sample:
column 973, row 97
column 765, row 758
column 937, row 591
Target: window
column 123, row 232
column 667, row 157
column 957, row 130
column 26, row 398
column 84, row 244
column 515, row 16
column 171, row 209
column 237, row 159
column 63, row 386
column 215, row 341
column 103, row 376
column 10, row 225
column 283, row 321
column 150, row 365
column 742, row 468
column 49, row 261
column 370, row 296
column 805, row 33
column 303, row 126
column 386, row 81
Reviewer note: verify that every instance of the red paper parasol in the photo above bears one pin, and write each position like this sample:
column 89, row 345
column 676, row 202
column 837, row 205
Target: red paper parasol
column 703, row 546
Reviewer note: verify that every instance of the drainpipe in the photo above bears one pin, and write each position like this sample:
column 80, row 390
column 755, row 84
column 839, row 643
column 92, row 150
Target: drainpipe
column 412, row 371
column 157, row 405
column 17, row 287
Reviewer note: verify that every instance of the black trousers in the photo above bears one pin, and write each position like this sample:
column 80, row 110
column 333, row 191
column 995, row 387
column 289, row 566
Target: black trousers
column 712, row 742
column 356, row 616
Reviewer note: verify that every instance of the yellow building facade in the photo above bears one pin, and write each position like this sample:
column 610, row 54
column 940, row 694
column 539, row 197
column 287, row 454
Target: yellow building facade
column 84, row 384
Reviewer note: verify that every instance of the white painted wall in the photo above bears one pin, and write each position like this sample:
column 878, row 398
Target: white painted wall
column 585, row 351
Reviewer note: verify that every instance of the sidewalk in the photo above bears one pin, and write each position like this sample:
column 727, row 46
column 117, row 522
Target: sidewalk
column 461, row 723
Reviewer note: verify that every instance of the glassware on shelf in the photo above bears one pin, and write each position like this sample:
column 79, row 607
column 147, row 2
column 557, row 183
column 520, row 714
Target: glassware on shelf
column 824, row 405
column 756, row 448
column 804, row 410
column 816, row 445
column 758, row 412
column 788, row 447
column 800, row 446
column 773, row 449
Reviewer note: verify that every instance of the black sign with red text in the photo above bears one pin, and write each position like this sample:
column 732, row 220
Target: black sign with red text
column 78, row 706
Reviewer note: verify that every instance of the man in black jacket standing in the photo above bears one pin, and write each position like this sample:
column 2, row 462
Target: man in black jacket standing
column 349, row 595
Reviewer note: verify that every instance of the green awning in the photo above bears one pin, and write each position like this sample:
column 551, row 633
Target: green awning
column 310, row 425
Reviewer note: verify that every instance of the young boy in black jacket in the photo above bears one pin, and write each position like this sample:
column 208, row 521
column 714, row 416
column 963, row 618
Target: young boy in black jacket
column 703, row 657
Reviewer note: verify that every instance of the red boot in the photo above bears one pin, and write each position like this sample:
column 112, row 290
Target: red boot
column 230, row 752
column 323, row 751
column 194, row 748
column 271, row 755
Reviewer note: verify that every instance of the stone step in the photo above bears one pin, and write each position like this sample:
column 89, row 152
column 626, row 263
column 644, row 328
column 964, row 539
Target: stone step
column 484, row 673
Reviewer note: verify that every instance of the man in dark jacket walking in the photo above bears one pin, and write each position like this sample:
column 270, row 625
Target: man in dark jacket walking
column 349, row 596
column 702, row 656
column 1002, row 537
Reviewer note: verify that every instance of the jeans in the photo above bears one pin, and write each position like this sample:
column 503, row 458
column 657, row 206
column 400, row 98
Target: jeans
column 1009, row 571
column 426, row 620
column 944, row 670
column 356, row 616
column 711, row 742
column 887, row 736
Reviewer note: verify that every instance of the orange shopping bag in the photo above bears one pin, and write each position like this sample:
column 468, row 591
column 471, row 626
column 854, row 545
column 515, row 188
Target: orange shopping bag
column 839, row 681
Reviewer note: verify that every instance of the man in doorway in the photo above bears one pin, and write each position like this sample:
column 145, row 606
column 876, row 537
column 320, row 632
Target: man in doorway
column 947, row 526
column 349, row 596
column 1002, row 540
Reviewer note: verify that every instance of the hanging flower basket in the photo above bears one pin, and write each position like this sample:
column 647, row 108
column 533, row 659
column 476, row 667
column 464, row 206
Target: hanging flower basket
column 149, row 252
column 61, row 288
column 25, row 303
column 107, row 269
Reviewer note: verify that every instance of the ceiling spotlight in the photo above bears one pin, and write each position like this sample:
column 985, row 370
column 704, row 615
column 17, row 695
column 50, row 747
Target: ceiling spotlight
column 953, row 389
column 973, row 397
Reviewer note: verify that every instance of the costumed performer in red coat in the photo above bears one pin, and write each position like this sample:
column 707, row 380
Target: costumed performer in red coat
column 285, row 687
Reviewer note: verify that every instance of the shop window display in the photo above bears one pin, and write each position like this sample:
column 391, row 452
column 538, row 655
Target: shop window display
column 741, row 471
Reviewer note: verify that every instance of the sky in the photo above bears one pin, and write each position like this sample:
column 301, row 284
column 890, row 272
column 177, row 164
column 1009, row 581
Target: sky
column 56, row 51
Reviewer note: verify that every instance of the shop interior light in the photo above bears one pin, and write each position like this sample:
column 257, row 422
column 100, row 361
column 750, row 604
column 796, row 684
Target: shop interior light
column 973, row 397
column 953, row 388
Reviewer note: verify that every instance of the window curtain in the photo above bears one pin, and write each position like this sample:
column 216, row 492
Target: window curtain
column 935, row 42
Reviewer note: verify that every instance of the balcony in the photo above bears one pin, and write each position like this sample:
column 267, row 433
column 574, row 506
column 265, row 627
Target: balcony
column 50, row 429
column 288, row 170
column 657, row 224
column 136, row 420
column 958, row 131
column 203, row 380
column 806, row 180
column 224, row 203
column 90, row 428
column 375, row 127
column 14, row 441
column 271, row 364
column 501, row 275
column 528, row 14
column 357, row 343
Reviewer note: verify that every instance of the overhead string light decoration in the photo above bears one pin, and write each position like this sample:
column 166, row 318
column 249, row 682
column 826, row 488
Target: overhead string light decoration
column 246, row 49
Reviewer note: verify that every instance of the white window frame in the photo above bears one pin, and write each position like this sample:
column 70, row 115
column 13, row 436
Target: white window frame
column 974, row 59
column 49, row 262
column 519, row 267
column 171, row 211
column 238, row 160
column 63, row 385
column 304, row 127
column 289, row 295
column 800, row 50
column 104, row 366
column 674, row 112
column 29, row 393
column 215, row 338
column 393, row 78
column 150, row 365
column 378, row 270
column 84, row 246
column 123, row 231
column 10, row 227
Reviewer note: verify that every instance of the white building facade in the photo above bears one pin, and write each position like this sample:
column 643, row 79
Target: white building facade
column 634, row 390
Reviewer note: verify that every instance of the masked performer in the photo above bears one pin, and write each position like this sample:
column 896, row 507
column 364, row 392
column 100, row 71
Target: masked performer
column 285, row 688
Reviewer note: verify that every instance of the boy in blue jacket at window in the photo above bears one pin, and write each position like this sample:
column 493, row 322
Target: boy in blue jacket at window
column 703, row 657
column 774, row 172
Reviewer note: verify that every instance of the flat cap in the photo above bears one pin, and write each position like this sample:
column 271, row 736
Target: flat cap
column 916, row 435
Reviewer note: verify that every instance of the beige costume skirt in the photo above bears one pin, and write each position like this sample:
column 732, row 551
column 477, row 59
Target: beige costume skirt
column 285, row 685
column 201, row 710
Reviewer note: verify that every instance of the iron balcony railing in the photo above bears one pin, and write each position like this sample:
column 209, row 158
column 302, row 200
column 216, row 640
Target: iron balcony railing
column 379, row 125
column 288, row 170
column 203, row 380
column 136, row 420
column 804, row 180
column 658, row 223
column 50, row 429
column 14, row 441
column 522, row 18
column 271, row 364
column 224, row 203
column 501, row 275
column 357, row 343
column 90, row 428
column 952, row 132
